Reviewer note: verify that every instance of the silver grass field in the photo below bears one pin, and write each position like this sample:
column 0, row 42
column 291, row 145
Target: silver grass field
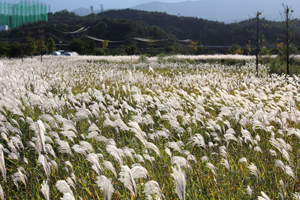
column 116, row 128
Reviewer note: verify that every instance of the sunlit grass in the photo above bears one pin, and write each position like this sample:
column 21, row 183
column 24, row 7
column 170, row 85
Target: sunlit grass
column 198, row 119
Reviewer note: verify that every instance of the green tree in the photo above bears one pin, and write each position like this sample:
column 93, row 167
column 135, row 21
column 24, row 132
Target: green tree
column 51, row 45
column 105, row 44
column 3, row 49
column 15, row 50
column 83, row 46
column 235, row 49
column 75, row 45
column 41, row 44
column 130, row 50
column 193, row 46
column 30, row 47
column 283, row 52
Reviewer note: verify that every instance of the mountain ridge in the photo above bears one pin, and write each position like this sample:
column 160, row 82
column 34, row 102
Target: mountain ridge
column 214, row 9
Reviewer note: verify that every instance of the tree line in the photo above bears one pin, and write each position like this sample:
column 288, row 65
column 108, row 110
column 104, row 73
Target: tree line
column 124, row 24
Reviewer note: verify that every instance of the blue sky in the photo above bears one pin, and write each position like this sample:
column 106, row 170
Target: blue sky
column 108, row 4
column 270, row 7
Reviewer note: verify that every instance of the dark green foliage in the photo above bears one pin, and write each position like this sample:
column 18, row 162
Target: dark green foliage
column 15, row 50
column 83, row 46
column 3, row 49
column 51, row 47
column 292, row 51
column 130, row 50
column 298, row 43
column 123, row 25
column 30, row 47
column 234, row 49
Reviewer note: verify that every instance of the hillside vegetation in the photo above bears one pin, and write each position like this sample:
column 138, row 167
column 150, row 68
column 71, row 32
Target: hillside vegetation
column 123, row 25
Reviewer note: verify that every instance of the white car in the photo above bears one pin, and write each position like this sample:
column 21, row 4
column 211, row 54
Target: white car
column 70, row 53
column 55, row 53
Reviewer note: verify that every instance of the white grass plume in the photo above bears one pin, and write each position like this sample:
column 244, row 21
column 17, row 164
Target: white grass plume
column 69, row 134
column 212, row 168
column 94, row 159
column 40, row 132
column 152, row 187
column 68, row 163
column 109, row 166
column 64, row 147
column 244, row 159
column 93, row 127
column 138, row 132
column 138, row 171
column 181, row 161
column 247, row 135
column 19, row 176
column 128, row 152
column 229, row 136
column 180, row 182
column 189, row 155
column 263, row 197
column 2, row 193
column 68, row 196
column 70, row 182
column 78, row 149
column 119, row 123
column 127, row 179
column 273, row 153
column 83, row 113
column 87, row 147
column 296, row 196
column 197, row 140
column 226, row 164
column 92, row 134
column 226, row 161
column 249, row 191
column 139, row 158
column 275, row 144
column 168, row 151
column 43, row 161
column 204, row 158
column 115, row 153
column 283, row 187
column 287, row 169
column 50, row 150
column 2, row 163
column 286, row 155
column 63, row 187
column 154, row 148
column 175, row 145
column 253, row 170
column 148, row 157
column 45, row 189
column 69, row 125
column 105, row 185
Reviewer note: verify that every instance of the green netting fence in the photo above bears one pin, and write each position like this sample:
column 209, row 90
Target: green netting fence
column 24, row 12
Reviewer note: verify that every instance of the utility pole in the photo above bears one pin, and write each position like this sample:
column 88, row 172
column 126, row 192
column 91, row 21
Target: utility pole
column 92, row 9
column 289, row 24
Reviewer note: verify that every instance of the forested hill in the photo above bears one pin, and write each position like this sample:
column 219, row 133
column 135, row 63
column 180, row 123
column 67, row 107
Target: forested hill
column 209, row 32
column 123, row 24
